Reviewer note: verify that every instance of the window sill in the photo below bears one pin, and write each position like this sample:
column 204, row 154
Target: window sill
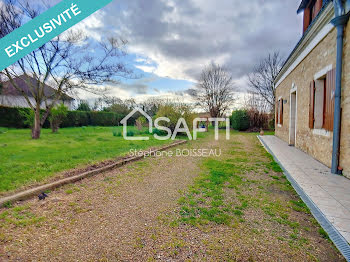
column 321, row 132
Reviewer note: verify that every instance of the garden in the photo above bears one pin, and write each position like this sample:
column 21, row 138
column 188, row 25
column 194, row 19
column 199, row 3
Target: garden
column 236, row 207
column 78, row 139
column 25, row 161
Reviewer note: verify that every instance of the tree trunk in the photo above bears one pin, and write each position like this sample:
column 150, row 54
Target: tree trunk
column 54, row 129
column 37, row 127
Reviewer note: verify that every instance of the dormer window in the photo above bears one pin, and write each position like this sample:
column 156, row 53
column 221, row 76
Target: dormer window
column 311, row 9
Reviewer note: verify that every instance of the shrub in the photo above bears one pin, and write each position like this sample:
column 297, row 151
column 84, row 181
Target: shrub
column 158, row 132
column 240, row 120
column 115, row 132
column 76, row 118
column 143, row 120
column 3, row 130
column 121, row 110
column 272, row 122
column 58, row 114
column 130, row 133
column 102, row 119
column 258, row 120
column 174, row 112
column 13, row 117
column 28, row 117
column 140, row 122
column 18, row 118
column 83, row 106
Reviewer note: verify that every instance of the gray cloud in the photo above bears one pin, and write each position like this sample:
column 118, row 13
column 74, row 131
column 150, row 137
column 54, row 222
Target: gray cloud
column 136, row 87
column 181, row 36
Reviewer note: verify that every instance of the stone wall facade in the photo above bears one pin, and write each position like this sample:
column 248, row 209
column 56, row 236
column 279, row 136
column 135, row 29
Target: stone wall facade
column 317, row 143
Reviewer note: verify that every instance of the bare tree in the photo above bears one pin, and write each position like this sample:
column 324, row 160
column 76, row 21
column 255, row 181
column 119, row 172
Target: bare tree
column 254, row 101
column 151, row 105
column 261, row 80
column 112, row 100
column 1, row 88
column 67, row 61
column 215, row 90
column 130, row 103
column 104, row 102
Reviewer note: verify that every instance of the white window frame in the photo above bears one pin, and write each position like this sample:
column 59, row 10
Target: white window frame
column 278, row 112
column 294, row 89
column 320, row 74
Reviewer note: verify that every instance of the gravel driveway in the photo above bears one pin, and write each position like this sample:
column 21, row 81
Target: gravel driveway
column 133, row 214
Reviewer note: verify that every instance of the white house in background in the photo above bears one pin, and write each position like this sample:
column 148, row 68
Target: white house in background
column 11, row 97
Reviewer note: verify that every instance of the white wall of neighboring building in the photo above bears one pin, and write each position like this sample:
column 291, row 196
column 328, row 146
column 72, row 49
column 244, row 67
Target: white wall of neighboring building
column 19, row 101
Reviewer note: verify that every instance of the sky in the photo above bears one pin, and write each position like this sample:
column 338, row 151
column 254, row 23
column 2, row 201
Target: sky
column 170, row 41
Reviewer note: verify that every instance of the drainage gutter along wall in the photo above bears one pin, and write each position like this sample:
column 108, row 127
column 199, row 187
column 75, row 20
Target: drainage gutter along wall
column 318, row 143
column 339, row 22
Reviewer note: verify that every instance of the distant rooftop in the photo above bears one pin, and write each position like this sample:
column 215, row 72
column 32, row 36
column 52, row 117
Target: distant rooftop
column 9, row 90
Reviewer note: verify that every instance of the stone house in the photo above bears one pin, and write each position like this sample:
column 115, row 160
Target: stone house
column 313, row 86
column 12, row 97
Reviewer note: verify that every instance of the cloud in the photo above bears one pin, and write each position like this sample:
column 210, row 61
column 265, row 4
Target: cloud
column 176, row 38
column 147, row 69
column 132, row 88
column 171, row 96
column 135, row 88
column 93, row 26
column 181, row 36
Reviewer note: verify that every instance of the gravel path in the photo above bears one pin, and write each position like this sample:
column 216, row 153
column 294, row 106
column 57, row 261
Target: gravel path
column 102, row 216
column 128, row 214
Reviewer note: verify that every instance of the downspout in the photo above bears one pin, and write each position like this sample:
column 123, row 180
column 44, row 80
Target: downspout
column 339, row 22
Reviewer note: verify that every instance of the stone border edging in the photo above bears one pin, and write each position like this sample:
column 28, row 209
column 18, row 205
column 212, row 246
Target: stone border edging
column 338, row 240
column 37, row 190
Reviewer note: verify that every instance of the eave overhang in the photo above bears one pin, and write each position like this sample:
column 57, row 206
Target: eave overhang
column 303, row 5
column 322, row 20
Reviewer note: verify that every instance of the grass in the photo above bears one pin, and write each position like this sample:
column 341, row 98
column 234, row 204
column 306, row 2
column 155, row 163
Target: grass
column 247, row 180
column 19, row 216
column 236, row 207
column 24, row 161
column 269, row 133
column 204, row 202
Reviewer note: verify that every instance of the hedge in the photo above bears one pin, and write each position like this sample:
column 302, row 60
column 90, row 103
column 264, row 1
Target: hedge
column 240, row 120
column 11, row 117
column 102, row 119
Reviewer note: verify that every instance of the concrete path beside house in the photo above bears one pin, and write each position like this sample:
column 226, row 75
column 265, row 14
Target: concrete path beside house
column 330, row 193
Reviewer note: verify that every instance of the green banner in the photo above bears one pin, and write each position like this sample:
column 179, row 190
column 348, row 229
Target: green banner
column 45, row 27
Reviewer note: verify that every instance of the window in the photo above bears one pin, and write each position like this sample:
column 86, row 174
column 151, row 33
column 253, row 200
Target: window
column 310, row 12
column 313, row 11
column 279, row 112
column 321, row 106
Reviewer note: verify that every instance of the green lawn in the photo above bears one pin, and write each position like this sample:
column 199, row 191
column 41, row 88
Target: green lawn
column 25, row 161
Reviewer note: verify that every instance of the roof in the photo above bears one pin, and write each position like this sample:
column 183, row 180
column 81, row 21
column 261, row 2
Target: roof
column 204, row 115
column 324, row 5
column 303, row 5
column 9, row 90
